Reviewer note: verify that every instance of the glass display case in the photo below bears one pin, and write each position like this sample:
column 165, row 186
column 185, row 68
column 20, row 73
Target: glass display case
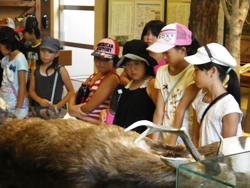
column 220, row 172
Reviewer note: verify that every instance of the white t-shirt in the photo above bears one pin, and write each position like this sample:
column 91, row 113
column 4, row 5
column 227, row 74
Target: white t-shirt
column 211, row 127
column 165, row 82
column 10, row 77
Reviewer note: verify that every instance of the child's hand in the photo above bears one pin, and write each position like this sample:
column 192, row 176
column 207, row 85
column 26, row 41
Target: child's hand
column 103, row 115
column 75, row 111
column 44, row 102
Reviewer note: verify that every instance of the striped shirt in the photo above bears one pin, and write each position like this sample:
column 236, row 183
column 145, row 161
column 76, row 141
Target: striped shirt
column 93, row 88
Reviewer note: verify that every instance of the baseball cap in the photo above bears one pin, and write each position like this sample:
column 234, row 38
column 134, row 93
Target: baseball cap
column 170, row 36
column 50, row 43
column 136, row 50
column 8, row 22
column 212, row 52
column 107, row 48
column 28, row 22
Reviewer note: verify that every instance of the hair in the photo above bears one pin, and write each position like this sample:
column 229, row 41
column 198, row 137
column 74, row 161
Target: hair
column 192, row 48
column 9, row 38
column 54, row 64
column 154, row 26
column 34, row 30
column 233, row 86
column 149, row 70
column 115, row 61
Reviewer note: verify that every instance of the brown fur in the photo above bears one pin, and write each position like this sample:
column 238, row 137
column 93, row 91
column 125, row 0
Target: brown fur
column 72, row 153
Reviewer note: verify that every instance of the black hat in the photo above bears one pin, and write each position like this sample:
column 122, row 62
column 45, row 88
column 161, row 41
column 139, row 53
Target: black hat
column 136, row 50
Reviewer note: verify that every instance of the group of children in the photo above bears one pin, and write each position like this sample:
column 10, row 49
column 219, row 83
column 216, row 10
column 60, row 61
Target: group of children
column 29, row 76
column 168, row 79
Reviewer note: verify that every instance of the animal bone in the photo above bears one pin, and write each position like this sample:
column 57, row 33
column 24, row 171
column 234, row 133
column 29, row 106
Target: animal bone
column 156, row 128
column 212, row 167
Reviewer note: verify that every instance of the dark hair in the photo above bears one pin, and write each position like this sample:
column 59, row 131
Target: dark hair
column 9, row 38
column 115, row 61
column 31, row 26
column 34, row 30
column 192, row 48
column 54, row 64
column 154, row 26
column 233, row 86
column 149, row 70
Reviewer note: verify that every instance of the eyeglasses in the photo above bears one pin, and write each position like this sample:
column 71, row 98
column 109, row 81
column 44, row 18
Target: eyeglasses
column 135, row 64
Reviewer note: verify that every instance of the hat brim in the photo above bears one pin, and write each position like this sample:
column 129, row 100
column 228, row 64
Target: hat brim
column 150, row 61
column 49, row 48
column 133, row 57
column 197, row 59
column 102, row 55
column 19, row 30
column 158, row 47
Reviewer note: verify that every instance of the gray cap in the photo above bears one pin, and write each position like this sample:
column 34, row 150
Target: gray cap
column 50, row 43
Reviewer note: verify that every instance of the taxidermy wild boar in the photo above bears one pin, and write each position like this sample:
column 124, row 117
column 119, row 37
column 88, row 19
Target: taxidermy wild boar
column 71, row 153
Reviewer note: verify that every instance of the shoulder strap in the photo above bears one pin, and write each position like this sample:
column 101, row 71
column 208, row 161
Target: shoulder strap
column 172, row 89
column 211, row 104
column 54, row 85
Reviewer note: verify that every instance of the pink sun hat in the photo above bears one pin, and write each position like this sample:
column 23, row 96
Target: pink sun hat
column 170, row 36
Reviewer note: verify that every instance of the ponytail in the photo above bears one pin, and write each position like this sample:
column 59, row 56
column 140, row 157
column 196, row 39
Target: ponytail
column 233, row 86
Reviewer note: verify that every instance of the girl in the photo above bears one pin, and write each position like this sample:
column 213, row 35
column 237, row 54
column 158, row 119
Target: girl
column 223, row 118
column 44, row 76
column 101, row 84
column 149, row 35
column 15, row 69
column 174, row 81
column 138, row 98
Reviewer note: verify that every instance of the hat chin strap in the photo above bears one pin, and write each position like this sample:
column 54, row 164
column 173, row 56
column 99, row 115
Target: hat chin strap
column 209, row 53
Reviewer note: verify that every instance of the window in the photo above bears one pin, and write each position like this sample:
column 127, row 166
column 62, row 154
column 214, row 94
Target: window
column 77, row 34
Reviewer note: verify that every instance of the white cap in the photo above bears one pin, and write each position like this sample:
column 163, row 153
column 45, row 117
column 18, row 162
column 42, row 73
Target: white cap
column 7, row 22
column 219, row 55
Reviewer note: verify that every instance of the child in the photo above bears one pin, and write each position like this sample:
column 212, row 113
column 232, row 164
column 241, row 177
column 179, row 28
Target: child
column 44, row 76
column 149, row 35
column 174, row 80
column 31, row 35
column 15, row 70
column 101, row 84
column 138, row 98
column 223, row 119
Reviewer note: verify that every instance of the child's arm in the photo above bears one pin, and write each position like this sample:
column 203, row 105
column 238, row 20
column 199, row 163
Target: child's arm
column 73, row 109
column 33, row 94
column 188, row 97
column 69, row 86
column 124, row 79
column 152, row 91
column 22, row 88
column 104, row 91
column 230, row 125
column 158, row 114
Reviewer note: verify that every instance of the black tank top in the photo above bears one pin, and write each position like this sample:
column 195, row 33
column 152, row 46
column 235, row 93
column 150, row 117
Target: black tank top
column 134, row 105
column 44, row 86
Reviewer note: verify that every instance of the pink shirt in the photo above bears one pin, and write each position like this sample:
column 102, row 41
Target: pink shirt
column 162, row 62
